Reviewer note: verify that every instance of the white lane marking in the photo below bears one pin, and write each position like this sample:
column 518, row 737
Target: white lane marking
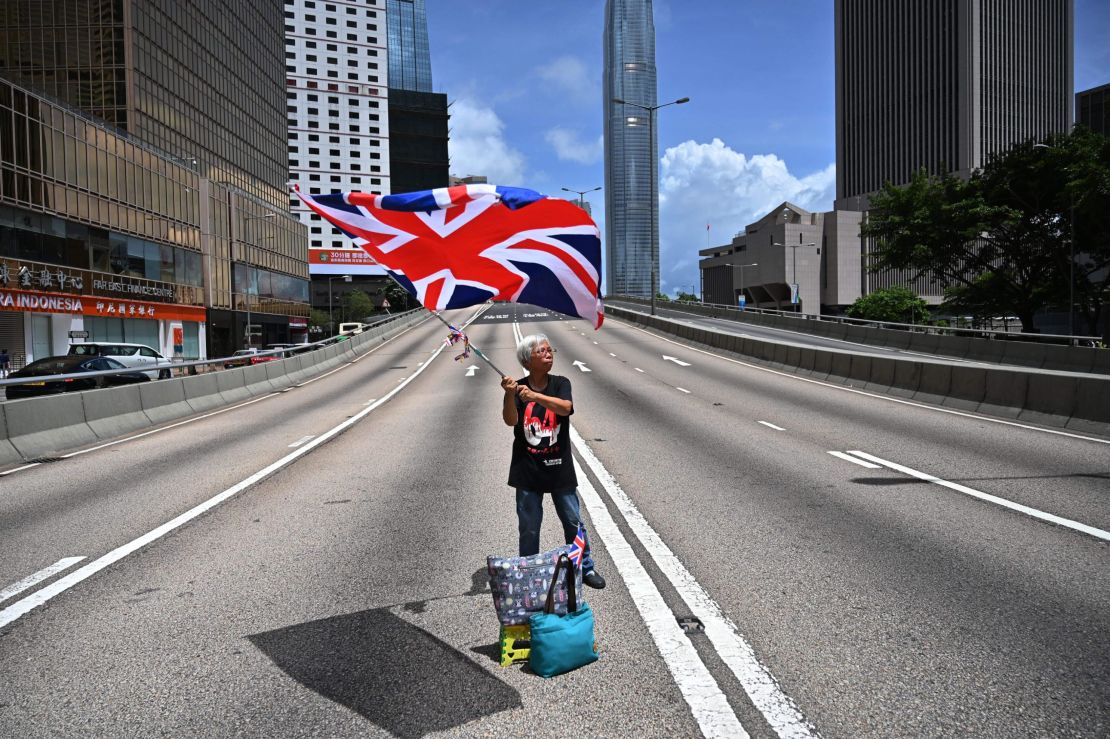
column 976, row 416
column 854, row 460
column 36, row 599
column 611, row 354
column 595, row 343
column 32, row 580
column 581, row 365
column 637, row 369
column 779, row 709
column 709, row 706
column 300, row 441
column 682, row 389
column 772, row 426
column 206, row 415
column 17, row 469
column 1059, row 521
column 679, row 362
column 471, row 370
column 167, row 428
column 329, row 372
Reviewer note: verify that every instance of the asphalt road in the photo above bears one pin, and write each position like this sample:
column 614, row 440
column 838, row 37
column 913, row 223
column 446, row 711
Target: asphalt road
column 754, row 331
column 342, row 592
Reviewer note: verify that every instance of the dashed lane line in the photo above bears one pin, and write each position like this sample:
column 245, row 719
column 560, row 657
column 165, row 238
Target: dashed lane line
column 1041, row 515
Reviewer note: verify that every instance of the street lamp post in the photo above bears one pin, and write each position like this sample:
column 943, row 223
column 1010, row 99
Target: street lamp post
column 741, row 267
column 331, row 317
column 1071, row 254
column 651, row 171
column 794, row 269
column 582, row 195
column 248, row 334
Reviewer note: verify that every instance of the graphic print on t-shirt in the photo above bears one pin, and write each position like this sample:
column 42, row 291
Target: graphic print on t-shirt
column 537, row 428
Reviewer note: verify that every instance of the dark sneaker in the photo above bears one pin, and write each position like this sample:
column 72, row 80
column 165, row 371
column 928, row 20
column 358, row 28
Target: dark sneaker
column 594, row 580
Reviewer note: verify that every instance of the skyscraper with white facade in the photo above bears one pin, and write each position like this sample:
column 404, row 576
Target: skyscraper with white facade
column 631, row 166
column 337, row 105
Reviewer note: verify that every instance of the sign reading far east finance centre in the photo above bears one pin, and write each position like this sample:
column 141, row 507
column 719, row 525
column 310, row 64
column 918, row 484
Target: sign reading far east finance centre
column 90, row 305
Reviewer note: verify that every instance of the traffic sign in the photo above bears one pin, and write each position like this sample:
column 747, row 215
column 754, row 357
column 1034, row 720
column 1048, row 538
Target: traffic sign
column 385, row 303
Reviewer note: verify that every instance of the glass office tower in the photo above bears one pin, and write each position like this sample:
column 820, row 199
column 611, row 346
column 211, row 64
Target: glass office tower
column 142, row 176
column 631, row 165
column 410, row 61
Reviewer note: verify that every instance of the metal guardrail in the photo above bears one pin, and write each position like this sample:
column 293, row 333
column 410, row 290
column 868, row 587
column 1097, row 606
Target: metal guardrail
column 299, row 348
column 992, row 333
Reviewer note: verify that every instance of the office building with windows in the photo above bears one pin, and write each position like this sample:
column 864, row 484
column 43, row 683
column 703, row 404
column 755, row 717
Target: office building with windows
column 142, row 171
column 943, row 86
column 418, row 157
column 1092, row 109
column 631, row 165
column 410, row 58
column 337, row 109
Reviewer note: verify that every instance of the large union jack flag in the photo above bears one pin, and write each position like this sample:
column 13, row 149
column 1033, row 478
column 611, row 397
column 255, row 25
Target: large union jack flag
column 459, row 246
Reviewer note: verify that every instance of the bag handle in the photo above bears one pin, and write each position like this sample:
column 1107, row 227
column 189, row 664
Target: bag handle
column 564, row 563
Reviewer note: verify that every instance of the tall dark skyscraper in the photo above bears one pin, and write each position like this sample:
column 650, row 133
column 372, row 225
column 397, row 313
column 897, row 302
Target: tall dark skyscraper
column 418, row 156
column 410, row 60
column 944, row 84
column 631, row 165
column 143, row 174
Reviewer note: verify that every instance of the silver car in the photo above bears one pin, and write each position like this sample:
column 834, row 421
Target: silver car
column 129, row 355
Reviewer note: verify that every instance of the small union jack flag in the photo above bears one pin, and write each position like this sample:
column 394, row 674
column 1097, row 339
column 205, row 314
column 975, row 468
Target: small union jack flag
column 454, row 247
column 578, row 547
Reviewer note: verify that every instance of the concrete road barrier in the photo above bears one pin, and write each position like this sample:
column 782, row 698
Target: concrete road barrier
column 8, row 453
column 164, row 400
column 202, row 392
column 114, row 411
column 1076, row 400
column 44, row 426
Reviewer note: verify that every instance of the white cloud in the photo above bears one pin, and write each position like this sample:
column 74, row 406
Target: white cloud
column 478, row 145
column 571, row 75
column 569, row 147
column 716, row 185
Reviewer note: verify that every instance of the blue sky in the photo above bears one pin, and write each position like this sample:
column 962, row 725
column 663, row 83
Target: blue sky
column 525, row 82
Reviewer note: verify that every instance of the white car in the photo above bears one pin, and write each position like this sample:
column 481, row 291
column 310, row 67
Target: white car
column 129, row 355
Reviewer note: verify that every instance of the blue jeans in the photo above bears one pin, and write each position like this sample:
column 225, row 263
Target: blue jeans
column 529, row 514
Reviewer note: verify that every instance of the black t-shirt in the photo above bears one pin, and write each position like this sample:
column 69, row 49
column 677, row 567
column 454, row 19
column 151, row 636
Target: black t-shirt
column 542, row 460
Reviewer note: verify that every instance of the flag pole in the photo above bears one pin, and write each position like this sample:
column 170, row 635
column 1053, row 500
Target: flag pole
column 481, row 355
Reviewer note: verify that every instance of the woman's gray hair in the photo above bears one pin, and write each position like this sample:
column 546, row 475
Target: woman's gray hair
column 526, row 345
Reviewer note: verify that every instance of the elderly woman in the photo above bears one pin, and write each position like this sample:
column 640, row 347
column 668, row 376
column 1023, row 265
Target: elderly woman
column 538, row 407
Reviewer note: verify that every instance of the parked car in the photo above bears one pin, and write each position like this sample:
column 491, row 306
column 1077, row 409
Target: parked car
column 66, row 365
column 241, row 358
column 129, row 355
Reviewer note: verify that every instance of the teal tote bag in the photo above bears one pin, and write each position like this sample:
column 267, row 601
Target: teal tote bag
column 562, row 642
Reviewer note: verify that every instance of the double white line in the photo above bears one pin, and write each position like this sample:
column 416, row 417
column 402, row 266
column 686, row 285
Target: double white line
column 708, row 704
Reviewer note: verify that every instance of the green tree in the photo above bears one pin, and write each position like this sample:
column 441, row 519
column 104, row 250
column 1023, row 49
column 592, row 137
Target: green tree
column 662, row 296
column 1076, row 171
column 894, row 304
column 1000, row 240
column 319, row 318
column 356, row 306
column 685, row 297
column 398, row 297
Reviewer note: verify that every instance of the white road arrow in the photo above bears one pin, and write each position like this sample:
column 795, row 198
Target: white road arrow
column 471, row 370
column 676, row 361
column 579, row 364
